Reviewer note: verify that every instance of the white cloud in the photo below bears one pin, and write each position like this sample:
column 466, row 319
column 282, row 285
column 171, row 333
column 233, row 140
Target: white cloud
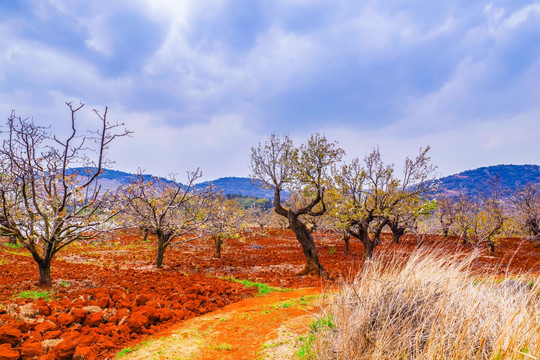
column 220, row 147
column 522, row 15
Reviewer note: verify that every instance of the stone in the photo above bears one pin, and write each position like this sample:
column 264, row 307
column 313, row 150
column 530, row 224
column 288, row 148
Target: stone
column 8, row 353
column 10, row 335
column 31, row 349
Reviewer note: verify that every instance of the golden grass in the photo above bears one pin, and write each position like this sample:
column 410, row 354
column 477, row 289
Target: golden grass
column 431, row 308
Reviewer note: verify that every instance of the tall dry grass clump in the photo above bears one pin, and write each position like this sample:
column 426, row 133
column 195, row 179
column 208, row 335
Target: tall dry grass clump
column 430, row 307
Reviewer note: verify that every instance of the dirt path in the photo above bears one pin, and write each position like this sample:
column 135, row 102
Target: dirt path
column 262, row 327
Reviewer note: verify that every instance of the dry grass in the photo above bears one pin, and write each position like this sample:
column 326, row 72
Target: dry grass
column 431, row 308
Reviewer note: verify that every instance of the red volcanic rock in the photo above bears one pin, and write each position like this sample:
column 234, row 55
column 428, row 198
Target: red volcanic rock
column 124, row 329
column 164, row 314
column 42, row 307
column 31, row 349
column 23, row 326
column 94, row 319
column 147, row 311
column 49, row 356
column 45, row 326
column 124, row 304
column 78, row 315
column 142, row 299
column 117, row 295
column 86, row 340
column 103, row 302
column 65, row 319
column 136, row 321
column 55, row 334
column 64, row 350
column 8, row 353
column 101, row 293
column 85, row 353
column 10, row 335
column 105, row 342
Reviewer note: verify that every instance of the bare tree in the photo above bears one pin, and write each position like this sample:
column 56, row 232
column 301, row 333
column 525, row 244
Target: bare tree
column 226, row 219
column 46, row 204
column 305, row 169
column 260, row 216
column 165, row 208
column 446, row 213
column 527, row 203
column 372, row 197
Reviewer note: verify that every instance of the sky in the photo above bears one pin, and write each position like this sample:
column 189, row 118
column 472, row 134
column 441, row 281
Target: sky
column 199, row 82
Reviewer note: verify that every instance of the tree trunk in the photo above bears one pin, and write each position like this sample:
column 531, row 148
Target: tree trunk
column 218, row 241
column 43, row 262
column 161, row 246
column 490, row 247
column 397, row 233
column 363, row 236
column 369, row 248
column 44, row 273
column 346, row 239
column 313, row 264
column 146, row 231
column 12, row 240
column 464, row 239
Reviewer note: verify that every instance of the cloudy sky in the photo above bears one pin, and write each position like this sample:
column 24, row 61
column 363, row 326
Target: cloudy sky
column 201, row 81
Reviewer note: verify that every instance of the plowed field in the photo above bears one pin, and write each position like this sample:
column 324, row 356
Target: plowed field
column 107, row 295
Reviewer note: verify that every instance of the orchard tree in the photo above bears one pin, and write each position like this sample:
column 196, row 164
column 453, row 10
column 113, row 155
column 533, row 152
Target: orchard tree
column 466, row 210
column 488, row 224
column 362, row 198
column 225, row 220
column 165, row 208
column 446, row 213
column 305, row 169
column 260, row 216
column 46, row 205
column 409, row 201
column 371, row 197
column 527, row 204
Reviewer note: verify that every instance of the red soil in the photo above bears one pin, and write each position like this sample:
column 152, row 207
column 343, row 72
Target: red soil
column 107, row 294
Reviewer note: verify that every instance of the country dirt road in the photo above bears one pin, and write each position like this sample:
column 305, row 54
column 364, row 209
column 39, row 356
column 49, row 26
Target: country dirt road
column 263, row 327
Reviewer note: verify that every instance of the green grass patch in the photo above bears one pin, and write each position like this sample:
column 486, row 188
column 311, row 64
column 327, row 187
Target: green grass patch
column 305, row 352
column 14, row 246
column 263, row 289
column 300, row 302
column 224, row 346
column 17, row 253
column 272, row 345
column 124, row 352
column 129, row 350
column 35, row 295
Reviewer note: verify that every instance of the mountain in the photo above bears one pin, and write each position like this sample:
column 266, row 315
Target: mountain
column 240, row 186
column 472, row 182
column 478, row 181
column 112, row 179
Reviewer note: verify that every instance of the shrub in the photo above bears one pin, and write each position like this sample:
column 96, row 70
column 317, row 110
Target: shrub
column 430, row 308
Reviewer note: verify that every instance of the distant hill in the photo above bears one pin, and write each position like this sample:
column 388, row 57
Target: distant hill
column 240, row 186
column 112, row 179
column 477, row 182
column 472, row 182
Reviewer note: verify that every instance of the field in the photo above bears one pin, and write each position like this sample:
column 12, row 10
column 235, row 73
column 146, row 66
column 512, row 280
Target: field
column 107, row 296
